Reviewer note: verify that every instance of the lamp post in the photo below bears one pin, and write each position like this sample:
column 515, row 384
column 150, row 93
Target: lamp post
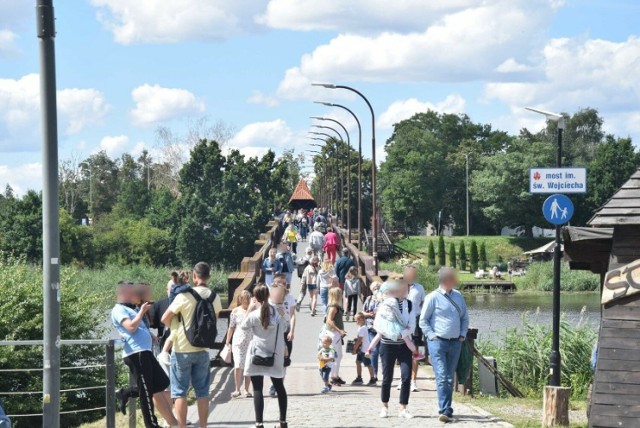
column 374, row 203
column 466, row 155
column 337, row 160
column 359, row 168
column 50, row 217
column 340, row 193
column 348, row 171
column 554, row 358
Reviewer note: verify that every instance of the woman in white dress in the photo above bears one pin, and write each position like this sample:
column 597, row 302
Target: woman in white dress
column 268, row 323
column 240, row 343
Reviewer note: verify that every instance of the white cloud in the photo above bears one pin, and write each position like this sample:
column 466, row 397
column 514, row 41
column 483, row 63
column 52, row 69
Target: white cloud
column 114, row 145
column 261, row 98
column 152, row 21
column 404, row 109
column 358, row 15
column 468, row 44
column 21, row 177
column 275, row 133
column 8, row 48
column 20, row 111
column 155, row 104
column 580, row 73
column 512, row 66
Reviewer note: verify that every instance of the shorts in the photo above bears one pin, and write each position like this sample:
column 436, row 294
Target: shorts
column 418, row 336
column 362, row 359
column 190, row 368
column 311, row 287
column 144, row 365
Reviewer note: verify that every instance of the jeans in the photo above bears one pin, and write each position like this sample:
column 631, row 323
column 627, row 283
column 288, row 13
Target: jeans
column 303, row 292
column 190, row 368
column 324, row 374
column 444, row 359
column 389, row 354
column 324, row 298
column 375, row 352
column 352, row 304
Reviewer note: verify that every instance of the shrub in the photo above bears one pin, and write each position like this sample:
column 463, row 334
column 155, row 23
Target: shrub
column 483, row 256
column 431, row 254
column 453, row 261
column 474, row 256
column 463, row 256
column 523, row 356
column 442, row 256
column 539, row 277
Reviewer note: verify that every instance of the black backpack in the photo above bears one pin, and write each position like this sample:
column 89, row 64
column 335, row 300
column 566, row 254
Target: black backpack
column 203, row 330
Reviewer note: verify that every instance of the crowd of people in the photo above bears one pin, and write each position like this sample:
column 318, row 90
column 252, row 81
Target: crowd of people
column 396, row 319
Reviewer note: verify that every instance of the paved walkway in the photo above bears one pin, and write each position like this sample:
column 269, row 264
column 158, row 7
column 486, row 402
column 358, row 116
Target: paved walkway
column 347, row 406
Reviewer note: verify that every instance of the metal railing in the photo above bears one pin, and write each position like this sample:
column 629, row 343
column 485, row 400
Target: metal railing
column 109, row 386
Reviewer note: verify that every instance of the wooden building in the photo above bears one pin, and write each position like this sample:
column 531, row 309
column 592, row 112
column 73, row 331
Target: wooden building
column 302, row 197
column 612, row 249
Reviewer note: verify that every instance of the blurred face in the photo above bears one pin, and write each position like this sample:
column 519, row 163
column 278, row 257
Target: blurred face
column 449, row 283
column 277, row 292
column 410, row 275
column 272, row 254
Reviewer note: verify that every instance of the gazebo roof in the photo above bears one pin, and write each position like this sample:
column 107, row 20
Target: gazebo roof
column 301, row 193
column 623, row 208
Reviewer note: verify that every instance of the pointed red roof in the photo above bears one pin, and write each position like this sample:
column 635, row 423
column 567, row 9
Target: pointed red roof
column 302, row 192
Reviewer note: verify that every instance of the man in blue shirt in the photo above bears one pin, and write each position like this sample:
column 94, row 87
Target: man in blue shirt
column 137, row 355
column 342, row 266
column 444, row 322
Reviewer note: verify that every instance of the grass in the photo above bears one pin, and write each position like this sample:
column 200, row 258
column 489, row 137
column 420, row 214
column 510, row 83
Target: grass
column 523, row 412
column 505, row 247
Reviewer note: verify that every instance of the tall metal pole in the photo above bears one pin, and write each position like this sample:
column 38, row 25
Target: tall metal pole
column 359, row 168
column 554, row 358
column 50, row 217
column 374, row 202
column 467, row 180
column 339, row 171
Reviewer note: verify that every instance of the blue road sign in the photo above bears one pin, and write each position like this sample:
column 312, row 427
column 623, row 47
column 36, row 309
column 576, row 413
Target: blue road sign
column 557, row 209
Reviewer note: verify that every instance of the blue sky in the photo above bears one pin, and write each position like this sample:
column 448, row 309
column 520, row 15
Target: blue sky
column 125, row 68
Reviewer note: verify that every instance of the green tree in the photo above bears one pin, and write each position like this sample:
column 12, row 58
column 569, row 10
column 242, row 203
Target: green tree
column 453, row 261
column 21, row 226
column 431, row 254
column 483, row 255
column 442, row 257
column 473, row 260
column 463, row 256
column 501, row 186
column 100, row 180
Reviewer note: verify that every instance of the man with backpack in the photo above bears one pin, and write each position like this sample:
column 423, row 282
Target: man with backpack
column 192, row 319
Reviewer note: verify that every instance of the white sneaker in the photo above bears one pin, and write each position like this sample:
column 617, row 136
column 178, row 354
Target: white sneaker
column 414, row 387
column 405, row 414
column 384, row 412
column 399, row 387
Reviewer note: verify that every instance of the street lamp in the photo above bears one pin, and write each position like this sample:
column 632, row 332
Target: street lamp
column 328, row 119
column 554, row 358
column 374, row 203
column 337, row 160
column 359, row 166
column 466, row 155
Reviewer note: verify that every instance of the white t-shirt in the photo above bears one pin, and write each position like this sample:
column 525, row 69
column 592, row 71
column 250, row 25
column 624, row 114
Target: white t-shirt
column 287, row 305
column 363, row 333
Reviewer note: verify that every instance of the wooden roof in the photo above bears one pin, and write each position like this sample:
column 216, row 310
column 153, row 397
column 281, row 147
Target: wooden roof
column 302, row 192
column 623, row 208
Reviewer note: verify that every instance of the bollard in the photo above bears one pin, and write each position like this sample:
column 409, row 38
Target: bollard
column 110, row 368
column 132, row 403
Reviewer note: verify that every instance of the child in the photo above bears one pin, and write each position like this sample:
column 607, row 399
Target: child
column 351, row 291
column 326, row 356
column 271, row 266
column 180, row 284
column 362, row 342
column 389, row 323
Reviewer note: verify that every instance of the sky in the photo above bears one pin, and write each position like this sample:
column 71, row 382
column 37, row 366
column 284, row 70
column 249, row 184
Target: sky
column 124, row 68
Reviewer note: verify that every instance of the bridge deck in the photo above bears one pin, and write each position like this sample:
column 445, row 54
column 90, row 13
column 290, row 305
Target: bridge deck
column 347, row 406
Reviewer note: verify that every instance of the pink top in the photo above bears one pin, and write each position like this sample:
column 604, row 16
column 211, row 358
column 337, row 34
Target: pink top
column 331, row 239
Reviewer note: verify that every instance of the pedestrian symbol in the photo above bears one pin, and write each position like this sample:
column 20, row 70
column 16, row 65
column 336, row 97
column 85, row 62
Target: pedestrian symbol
column 557, row 209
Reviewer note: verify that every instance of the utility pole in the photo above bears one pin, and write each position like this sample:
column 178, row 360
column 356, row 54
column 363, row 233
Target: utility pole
column 50, row 217
column 467, row 168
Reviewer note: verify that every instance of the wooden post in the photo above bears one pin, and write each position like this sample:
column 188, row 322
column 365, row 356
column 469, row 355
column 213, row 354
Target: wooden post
column 555, row 411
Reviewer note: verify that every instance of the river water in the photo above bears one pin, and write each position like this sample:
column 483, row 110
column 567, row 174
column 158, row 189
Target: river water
column 491, row 314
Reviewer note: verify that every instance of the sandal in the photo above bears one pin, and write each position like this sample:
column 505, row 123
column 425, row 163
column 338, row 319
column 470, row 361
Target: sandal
column 235, row 394
column 247, row 394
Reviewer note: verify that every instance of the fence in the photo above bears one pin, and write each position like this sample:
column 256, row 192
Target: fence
column 109, row 385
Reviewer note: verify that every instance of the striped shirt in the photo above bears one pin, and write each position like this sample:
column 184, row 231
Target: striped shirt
column 409, row 317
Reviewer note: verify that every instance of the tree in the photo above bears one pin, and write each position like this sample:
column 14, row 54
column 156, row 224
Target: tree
column 442, row 257
column 453, row 261
column 100, row 182
column 474, row 256
column 501, row 186
column 431, row 254
column 483, row 255
column 463, row 256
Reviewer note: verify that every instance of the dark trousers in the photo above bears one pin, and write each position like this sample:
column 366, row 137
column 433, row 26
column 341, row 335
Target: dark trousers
column 258, row 397
column 150, row 379
column 352, row 304
column 389, row 354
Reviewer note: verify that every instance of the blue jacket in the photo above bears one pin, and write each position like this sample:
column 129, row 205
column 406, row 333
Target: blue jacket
column 343, row 264
column 271, row 267
column 286, row 260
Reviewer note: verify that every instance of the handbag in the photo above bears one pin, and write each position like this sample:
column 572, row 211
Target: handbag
column 226, row 354
column 350, row 345
column 258, row 360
